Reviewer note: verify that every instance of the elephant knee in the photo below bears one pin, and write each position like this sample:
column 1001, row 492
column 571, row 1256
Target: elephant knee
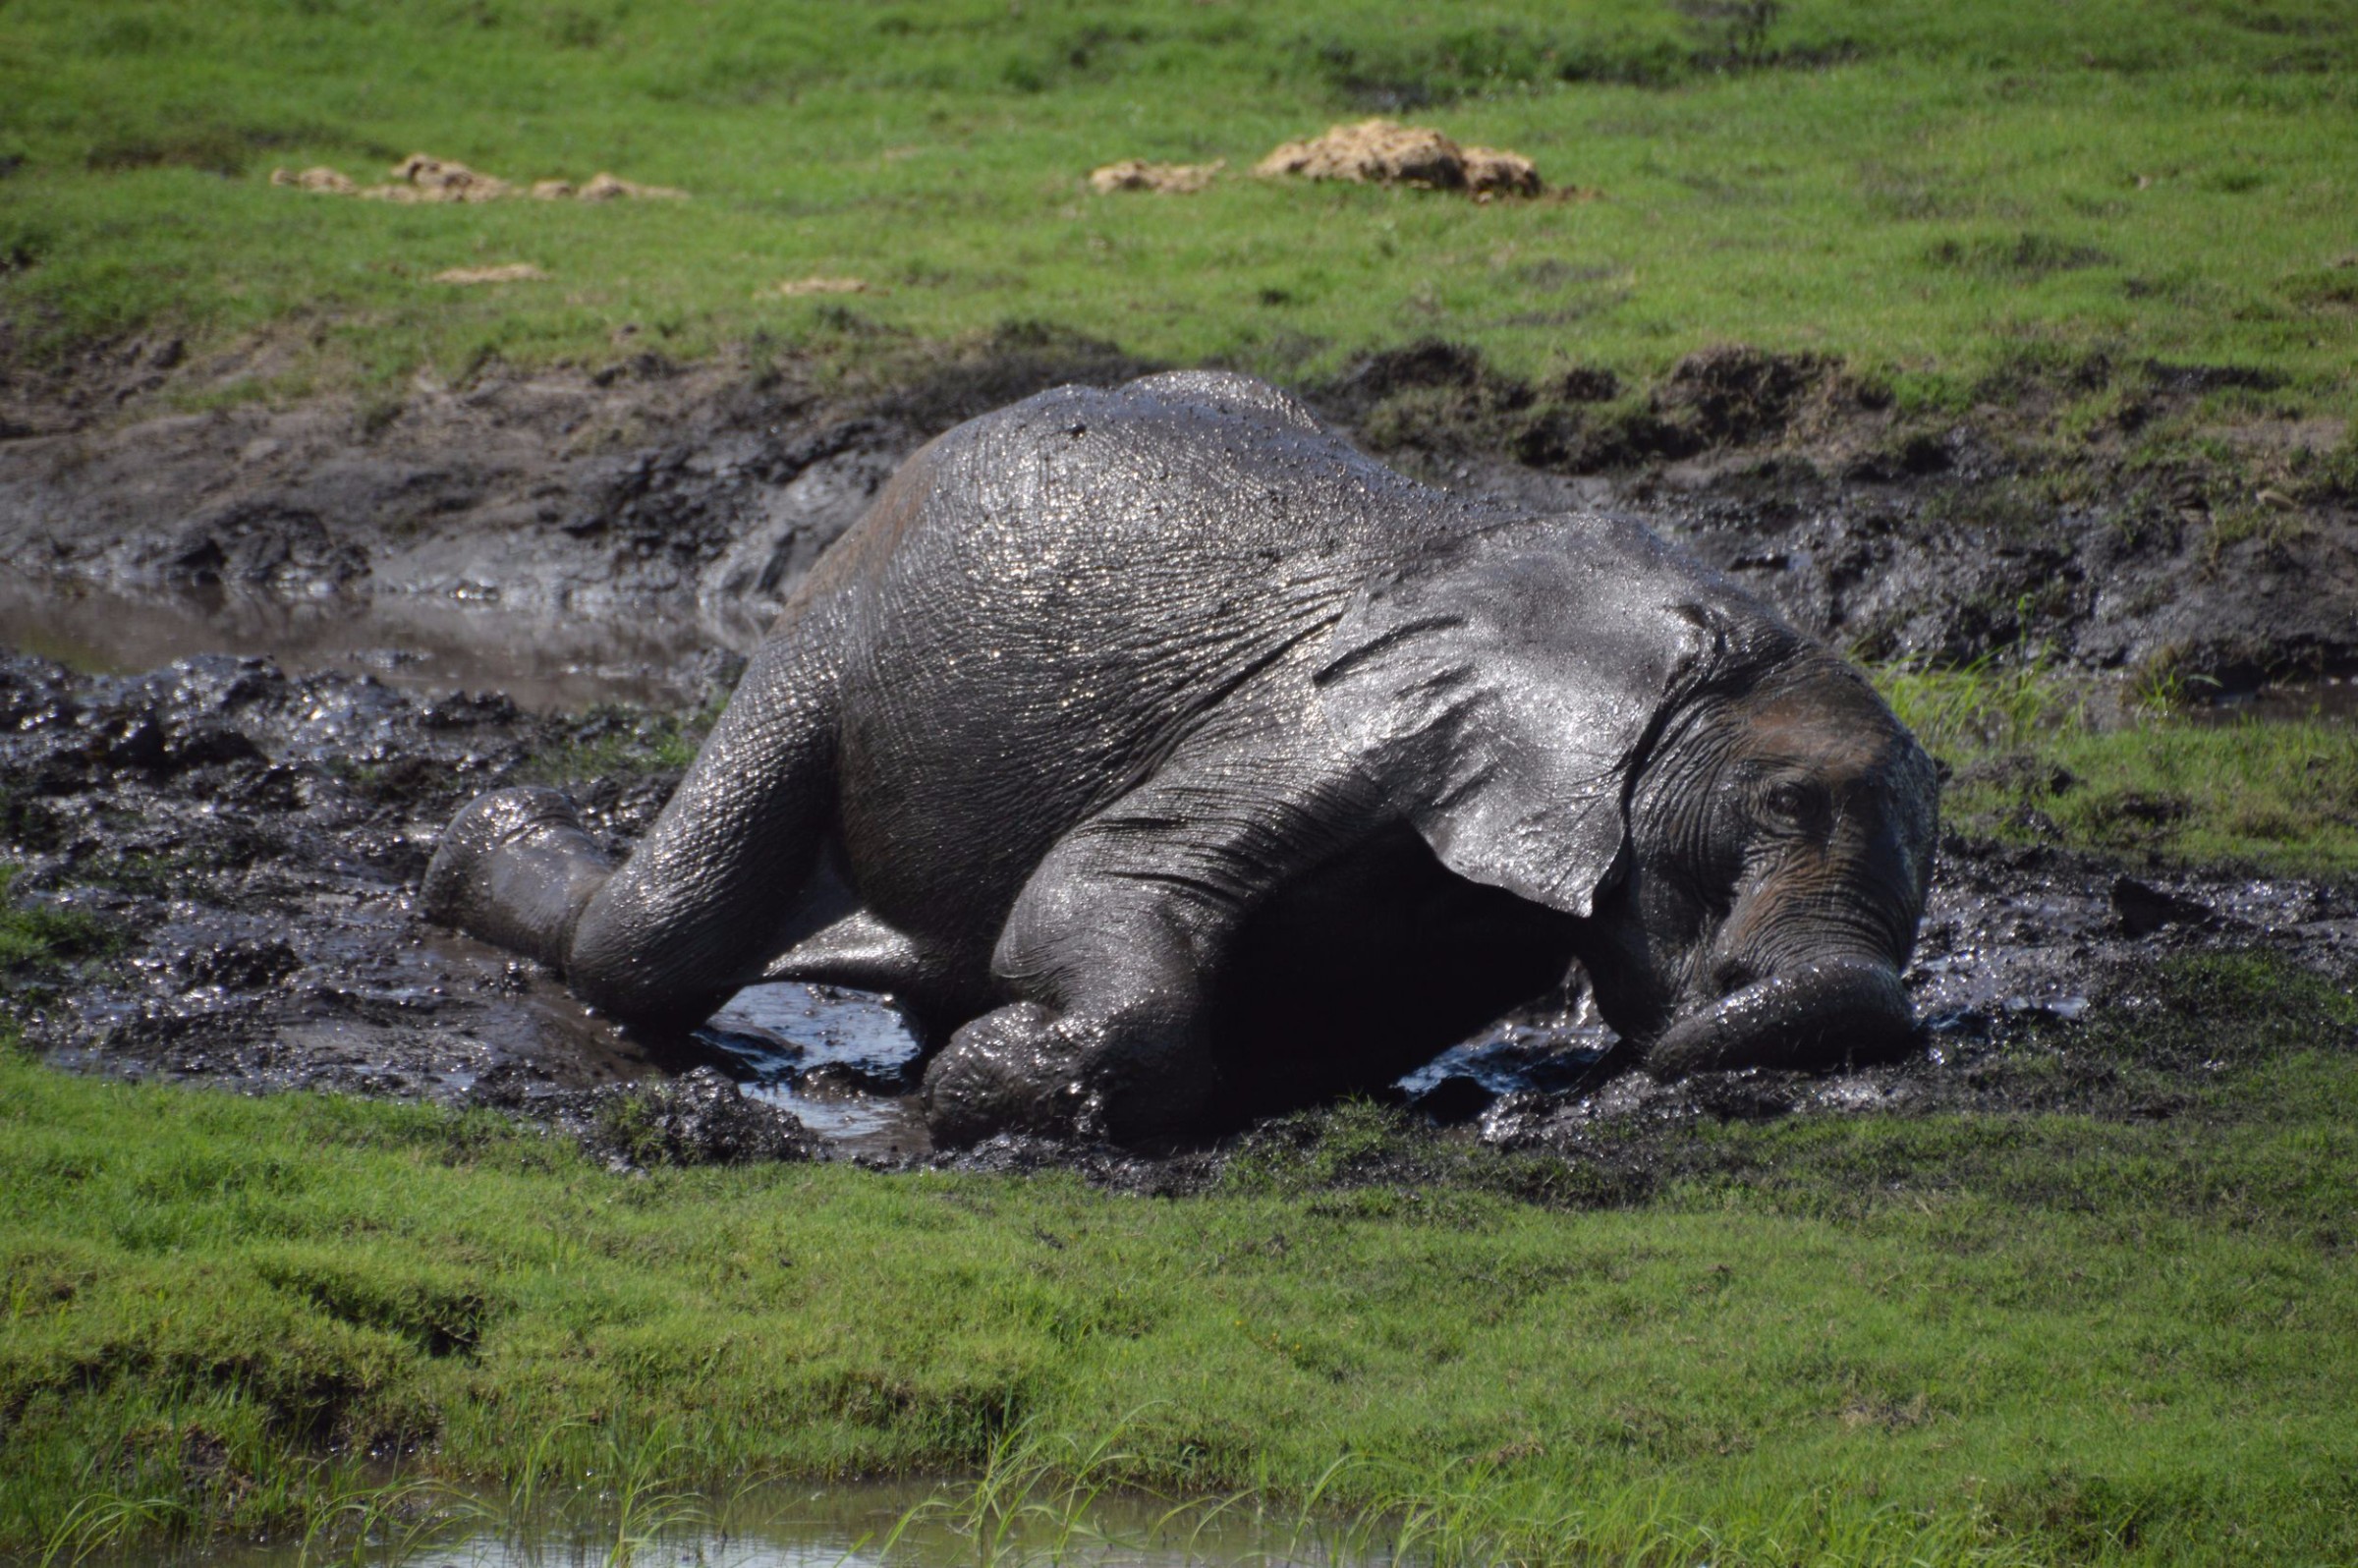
column 1026, row 1069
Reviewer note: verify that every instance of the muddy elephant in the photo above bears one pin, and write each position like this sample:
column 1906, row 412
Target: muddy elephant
column 1173, row 760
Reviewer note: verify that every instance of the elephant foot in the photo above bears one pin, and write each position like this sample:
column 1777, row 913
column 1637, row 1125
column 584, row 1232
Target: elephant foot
column 516, row 868
column 1024, row 1068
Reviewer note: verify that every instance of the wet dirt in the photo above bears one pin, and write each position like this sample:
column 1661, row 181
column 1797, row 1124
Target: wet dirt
column 262, row 653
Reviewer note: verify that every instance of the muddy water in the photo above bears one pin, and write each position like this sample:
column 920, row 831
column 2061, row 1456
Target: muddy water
column 2332, row 700
column 839, row 1061
column 855, row 1525
column 413, row 642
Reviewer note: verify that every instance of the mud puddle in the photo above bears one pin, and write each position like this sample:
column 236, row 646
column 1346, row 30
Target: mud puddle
column 2332, row 700
column 429, row 647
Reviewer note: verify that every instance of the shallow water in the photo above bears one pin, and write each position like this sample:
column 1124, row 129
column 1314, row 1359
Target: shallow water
column 824, row 1052
column 426, row 646
column 2331, row 700
column 848, row 1525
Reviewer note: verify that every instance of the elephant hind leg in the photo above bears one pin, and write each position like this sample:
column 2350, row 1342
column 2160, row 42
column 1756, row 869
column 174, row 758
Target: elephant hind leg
column 697, row 909
column 516, row 870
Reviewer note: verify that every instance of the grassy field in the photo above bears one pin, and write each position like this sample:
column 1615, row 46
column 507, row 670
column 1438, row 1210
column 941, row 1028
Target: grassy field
column 1936, row 1338
column 1935, row 192
column 2058, row 1335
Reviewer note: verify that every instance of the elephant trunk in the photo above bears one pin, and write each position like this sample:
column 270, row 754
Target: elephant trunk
column 1819, row 1014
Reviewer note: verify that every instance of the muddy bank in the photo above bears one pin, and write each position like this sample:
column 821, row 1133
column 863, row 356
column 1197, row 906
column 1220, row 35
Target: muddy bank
column 248, row 843
column 693, row 498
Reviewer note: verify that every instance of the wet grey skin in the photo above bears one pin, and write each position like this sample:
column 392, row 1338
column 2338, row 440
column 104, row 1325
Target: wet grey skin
column 1176, row 763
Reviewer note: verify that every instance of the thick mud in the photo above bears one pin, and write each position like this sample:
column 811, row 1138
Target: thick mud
column 248, row 845
column 263, row 654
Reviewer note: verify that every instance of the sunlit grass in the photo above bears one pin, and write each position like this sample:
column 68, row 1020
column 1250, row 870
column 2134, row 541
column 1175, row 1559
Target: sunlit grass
column 2037, row 753
column 1931, row 191
column 2022, row 1335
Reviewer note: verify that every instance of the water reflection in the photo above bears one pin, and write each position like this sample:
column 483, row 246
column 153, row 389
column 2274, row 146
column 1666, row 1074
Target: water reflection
column 547, row 663
column 842, row 1061
column 855, row 1525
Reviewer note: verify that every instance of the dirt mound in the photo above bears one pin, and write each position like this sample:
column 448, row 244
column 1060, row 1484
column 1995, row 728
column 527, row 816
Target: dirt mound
column 1732, row 395
column 422, row 177
column 1168, row 178
column 1381, row 152
column 435, row 179
column 330, row 181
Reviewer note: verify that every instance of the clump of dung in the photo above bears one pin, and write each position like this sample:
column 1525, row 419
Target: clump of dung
column 1381, row 152
column 422, row 177
column 1166, row 179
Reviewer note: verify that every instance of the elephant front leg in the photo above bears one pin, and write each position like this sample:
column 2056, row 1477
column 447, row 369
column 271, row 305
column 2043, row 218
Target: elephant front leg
column 1111, row 952
column 1120, row 1056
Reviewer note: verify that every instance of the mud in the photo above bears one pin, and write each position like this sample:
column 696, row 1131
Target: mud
column 1380, row 153
column 250, row 842
column 254, row 647
column 1896, row 537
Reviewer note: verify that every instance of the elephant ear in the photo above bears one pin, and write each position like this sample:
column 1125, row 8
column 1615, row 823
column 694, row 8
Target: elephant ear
column 1507, row 690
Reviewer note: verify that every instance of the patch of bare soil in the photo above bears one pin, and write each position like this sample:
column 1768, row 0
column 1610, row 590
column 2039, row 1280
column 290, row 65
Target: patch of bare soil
column 1382, row 152
column 422, row 177
column 1166, row 179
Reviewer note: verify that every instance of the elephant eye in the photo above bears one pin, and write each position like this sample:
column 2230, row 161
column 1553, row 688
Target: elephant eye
column 1790, row 801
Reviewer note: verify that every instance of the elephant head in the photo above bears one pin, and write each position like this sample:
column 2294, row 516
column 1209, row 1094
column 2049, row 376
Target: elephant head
column 1577, row 713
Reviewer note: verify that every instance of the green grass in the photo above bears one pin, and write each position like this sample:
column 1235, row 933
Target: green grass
column 614, row 741
column 1936, row 192
column 35, row 936
column 1873, row 1339
column 2158, row 783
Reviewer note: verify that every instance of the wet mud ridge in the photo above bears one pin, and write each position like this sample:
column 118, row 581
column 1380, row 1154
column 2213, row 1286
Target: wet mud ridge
column 243, row 848
column 696, row 497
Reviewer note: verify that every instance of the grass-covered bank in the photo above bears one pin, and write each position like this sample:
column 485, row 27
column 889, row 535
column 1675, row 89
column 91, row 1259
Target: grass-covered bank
column 1932, row 191
column 2038, row 755
column 2050, row 1336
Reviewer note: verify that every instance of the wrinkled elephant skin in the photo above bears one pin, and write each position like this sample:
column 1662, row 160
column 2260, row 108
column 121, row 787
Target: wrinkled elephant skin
column 1176, row 762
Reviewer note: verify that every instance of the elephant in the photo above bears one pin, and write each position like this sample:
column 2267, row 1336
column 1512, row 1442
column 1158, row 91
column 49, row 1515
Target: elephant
column 1172, row 760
